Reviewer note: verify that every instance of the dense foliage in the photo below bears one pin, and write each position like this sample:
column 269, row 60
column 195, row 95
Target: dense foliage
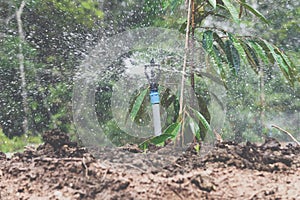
column 59, row 33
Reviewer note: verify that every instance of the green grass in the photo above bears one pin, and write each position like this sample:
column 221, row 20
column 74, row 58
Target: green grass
column 17, row 144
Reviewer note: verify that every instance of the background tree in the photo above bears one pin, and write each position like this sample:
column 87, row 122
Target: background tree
column 229, row 52
column 59, row 33
column 55, row 35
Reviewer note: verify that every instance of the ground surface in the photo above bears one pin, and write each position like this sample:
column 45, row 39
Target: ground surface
column 59, row 169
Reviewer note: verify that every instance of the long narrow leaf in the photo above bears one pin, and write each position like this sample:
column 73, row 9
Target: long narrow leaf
column 219, row 41
column 283, row 63
column 202, row 119
column 167, row 98
column 266, row 49
column 238, row 47
column 255, row 12
column 207, row 41
column 278, row 58
column 212, row 51
column 194, row 127
column 221, row 51
column 260, row 51
column 157, row 140
column 236, row 59
column 232, row 56
column 291, row 75
column 275, row 55
column 216, row 59
column 292, row 67
column 251, row 55
column 232, row 10
column 138, row 104
column 173, row 129
column 213, row 3
column 287, row 60
column 170, row 133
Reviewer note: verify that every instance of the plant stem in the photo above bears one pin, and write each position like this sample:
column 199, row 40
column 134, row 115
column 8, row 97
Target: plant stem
column 186, row 48
column 192, row 48
column 286, row 132
column 262, row 99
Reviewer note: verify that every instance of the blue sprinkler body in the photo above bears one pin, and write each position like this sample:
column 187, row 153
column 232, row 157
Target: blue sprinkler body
column 154, row 97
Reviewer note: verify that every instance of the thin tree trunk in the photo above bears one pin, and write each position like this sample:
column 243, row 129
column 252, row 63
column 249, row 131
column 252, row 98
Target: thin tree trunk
column 21, row 66
column 192, row 47
column 186, row 49
column 262, row 100
column 192, row 61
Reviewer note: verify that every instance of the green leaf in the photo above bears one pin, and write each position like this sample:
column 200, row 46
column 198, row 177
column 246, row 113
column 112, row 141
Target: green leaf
column 213, row 3
column 282, row 60
column 173, row 129
column 287, row 60
column 251, row 55
column 232, row 10
column 239, row 47
column 232, row 56
column 138, row 104
column 175, row 4
column 167, row 98
column 266, row 50
column 157, row 140
column 202, row 119
column 170, row 133
column 216, row 58
column 194, row 127
column 285, row 65
column 278, row 58
column 219, row 41
column 183, row 27
column 207, row 41
column 213, row 51
column 220, row 56
column 293, row 70
column 255, row 12
column 86, row 5
column 260, row 51
column 225, row 17
column 171, row 4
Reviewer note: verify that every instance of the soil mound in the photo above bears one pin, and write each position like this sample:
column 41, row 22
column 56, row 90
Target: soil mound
column 60, row 169
column 57, row 144
column 269, row 156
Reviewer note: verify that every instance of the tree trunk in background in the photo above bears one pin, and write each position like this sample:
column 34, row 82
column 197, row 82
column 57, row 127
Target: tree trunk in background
column 262, row 101
column 192, row 47
column 21, row 66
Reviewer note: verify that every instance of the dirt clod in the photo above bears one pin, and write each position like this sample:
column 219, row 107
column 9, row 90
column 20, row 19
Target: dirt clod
column 2, row 156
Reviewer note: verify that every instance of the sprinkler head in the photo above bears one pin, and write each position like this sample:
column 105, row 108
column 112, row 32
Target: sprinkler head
column 152, row 76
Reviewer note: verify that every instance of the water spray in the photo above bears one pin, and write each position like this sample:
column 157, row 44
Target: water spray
column 154, row 94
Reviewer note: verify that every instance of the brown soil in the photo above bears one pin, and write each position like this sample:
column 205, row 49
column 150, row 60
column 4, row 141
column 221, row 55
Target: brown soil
column 60, row 169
